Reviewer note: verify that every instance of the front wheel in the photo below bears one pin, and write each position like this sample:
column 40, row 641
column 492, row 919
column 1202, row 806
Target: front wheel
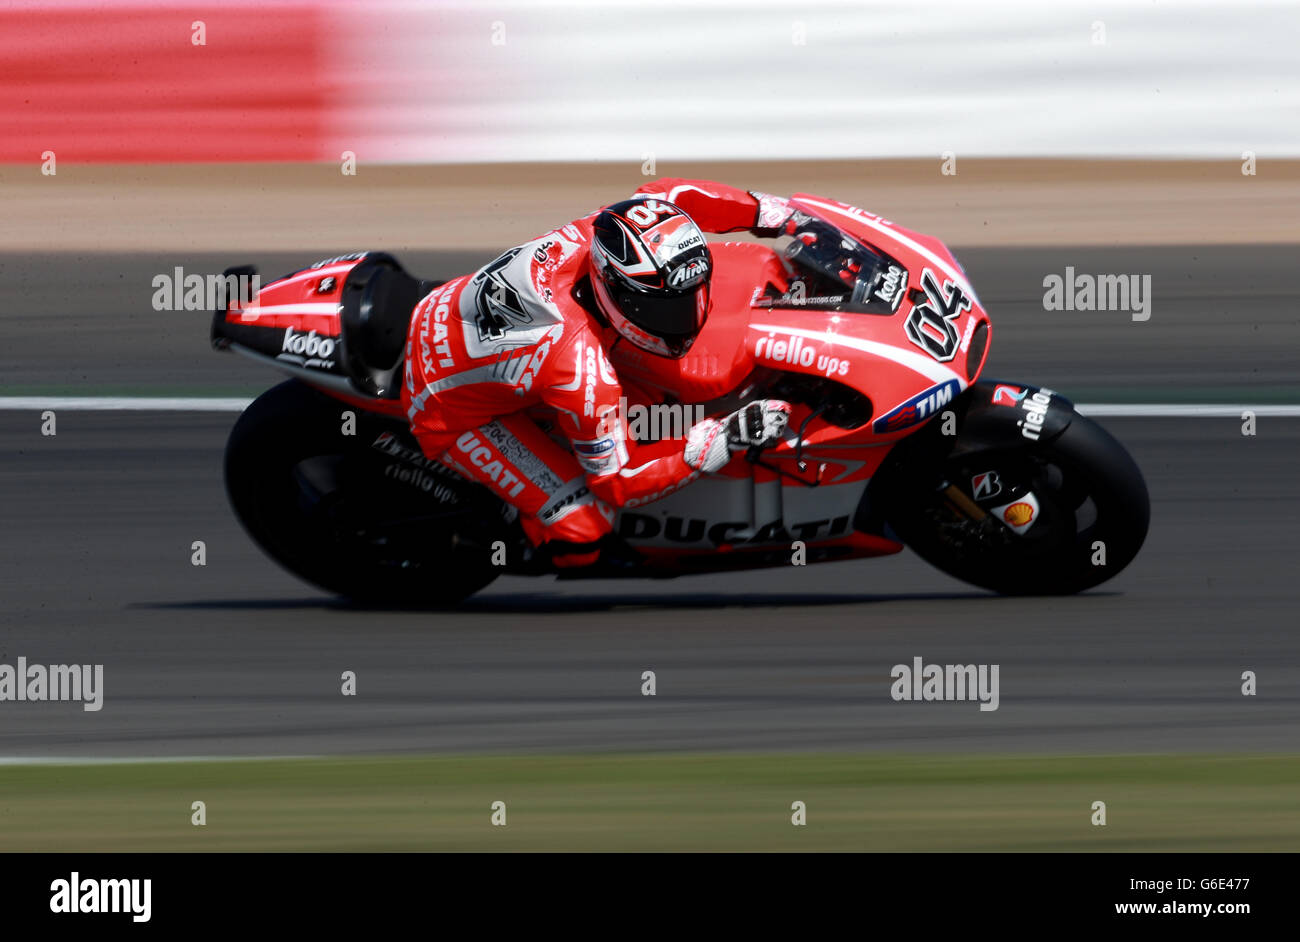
column 1090, row 521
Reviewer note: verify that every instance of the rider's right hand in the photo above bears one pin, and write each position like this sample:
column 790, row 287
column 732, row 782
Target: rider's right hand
column 773, row 214
column 758, row 423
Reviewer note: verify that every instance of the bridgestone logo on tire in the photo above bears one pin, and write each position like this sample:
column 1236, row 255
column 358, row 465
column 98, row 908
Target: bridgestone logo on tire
column 307, row 344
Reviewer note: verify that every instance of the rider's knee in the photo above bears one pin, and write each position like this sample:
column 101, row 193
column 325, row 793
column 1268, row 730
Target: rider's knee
column 584, row 524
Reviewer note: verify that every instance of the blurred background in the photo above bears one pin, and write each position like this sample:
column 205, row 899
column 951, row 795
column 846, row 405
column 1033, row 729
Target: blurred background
column 468, row 124
column 1148, row 138
column 612, row 80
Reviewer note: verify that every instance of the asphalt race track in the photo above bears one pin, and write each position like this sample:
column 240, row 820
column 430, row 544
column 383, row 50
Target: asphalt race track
column 239, row 658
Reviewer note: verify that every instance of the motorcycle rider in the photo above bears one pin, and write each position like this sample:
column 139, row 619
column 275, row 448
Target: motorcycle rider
column 535, row 328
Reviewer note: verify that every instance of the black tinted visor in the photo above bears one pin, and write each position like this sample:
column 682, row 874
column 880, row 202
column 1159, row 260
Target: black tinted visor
column 676, row 317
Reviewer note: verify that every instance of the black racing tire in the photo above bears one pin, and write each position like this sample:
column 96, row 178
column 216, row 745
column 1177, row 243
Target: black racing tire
column 1093, row 519
column 293, row 427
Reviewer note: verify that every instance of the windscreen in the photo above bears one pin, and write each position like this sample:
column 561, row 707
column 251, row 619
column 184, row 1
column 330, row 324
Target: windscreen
column 834, row 271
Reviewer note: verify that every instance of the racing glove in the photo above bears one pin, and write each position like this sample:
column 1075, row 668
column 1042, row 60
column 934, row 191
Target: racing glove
column 773, row 214
column 709, row 444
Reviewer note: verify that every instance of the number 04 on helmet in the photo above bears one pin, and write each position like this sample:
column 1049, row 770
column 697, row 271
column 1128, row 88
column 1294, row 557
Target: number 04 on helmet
column 650, row 270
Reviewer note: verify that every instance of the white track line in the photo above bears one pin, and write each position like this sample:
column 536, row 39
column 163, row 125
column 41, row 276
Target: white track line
column 122, row 404
column 12, row 761
column 164, row 404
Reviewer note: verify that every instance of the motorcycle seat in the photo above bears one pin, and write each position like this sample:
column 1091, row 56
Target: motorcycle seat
column 377, row 301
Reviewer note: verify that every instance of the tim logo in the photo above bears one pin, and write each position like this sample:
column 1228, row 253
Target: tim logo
column 917, row 409
column 1008, row 395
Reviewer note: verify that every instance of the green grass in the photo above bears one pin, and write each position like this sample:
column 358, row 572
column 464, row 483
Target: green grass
column 659, row 802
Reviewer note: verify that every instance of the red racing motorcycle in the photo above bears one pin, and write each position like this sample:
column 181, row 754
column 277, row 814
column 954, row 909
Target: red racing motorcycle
column 872, row 332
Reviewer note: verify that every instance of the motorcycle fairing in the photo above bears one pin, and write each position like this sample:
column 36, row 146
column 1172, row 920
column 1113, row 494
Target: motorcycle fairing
column 339, row 324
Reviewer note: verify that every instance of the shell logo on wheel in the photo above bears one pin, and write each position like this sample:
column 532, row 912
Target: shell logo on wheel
column 1019, row 513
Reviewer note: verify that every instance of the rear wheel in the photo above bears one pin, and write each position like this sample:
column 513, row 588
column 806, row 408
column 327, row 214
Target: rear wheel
column 1091, row 520
column 327, row 507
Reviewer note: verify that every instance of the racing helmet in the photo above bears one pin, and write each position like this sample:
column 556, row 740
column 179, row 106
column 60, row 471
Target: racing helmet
column 650, row 270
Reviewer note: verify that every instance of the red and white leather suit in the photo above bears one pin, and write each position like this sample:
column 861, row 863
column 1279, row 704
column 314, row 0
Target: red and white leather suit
column 513, row 336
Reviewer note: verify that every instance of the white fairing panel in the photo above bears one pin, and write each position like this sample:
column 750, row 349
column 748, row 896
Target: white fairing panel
column 718, row 510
